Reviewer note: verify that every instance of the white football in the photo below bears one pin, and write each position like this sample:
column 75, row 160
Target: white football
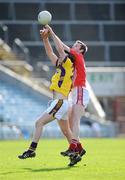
column 44, row 17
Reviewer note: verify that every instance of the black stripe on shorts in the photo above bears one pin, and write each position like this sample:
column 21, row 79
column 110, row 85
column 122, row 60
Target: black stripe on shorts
column 57, row 107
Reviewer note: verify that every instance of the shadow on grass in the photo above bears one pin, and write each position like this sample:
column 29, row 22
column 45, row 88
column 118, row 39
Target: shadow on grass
column 38, row 170
column 47, row 169
column 6, row 173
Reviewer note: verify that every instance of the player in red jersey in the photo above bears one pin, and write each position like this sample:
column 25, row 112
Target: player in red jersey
column 79, row 96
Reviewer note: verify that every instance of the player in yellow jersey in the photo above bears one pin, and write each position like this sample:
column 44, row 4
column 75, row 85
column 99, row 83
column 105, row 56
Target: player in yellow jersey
column 60, row 86
column 62, row 80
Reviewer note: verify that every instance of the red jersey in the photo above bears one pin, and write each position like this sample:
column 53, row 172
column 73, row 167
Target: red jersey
column 79, row 78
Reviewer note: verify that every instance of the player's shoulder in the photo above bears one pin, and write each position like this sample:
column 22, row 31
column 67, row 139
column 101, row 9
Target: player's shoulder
column 72, row 51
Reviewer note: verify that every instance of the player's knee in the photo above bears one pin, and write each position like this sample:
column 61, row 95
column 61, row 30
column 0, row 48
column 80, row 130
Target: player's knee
column 77, row 111
column 74, row 113
column 38, row 123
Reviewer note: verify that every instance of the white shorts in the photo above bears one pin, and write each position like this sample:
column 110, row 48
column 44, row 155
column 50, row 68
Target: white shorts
column 79, row 95
column 59, row 109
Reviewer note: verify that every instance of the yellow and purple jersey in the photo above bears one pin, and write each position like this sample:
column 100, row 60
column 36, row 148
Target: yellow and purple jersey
column 62, row 80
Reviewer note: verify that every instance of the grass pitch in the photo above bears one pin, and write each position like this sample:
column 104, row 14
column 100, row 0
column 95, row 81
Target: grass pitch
column 105, row 160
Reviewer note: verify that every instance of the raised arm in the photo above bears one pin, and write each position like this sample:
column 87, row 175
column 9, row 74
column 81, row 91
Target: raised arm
column 60, row 46
column 48, row 48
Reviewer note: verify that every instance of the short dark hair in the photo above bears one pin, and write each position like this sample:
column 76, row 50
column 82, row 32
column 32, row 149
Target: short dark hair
column 83, row 46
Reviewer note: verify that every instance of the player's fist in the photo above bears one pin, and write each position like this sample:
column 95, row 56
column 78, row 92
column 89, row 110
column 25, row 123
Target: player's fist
column 44, row 33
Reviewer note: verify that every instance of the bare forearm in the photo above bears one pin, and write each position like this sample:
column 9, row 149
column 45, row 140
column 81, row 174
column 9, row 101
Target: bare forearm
column 47, row 46
column 60, row 46
column 57, row 41
column 49, row 51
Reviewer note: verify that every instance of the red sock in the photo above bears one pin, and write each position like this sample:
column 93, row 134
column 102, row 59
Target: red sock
column 79, row 146
column 73, row 145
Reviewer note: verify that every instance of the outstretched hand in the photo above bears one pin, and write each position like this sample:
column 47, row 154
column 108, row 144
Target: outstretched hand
column 44, row 33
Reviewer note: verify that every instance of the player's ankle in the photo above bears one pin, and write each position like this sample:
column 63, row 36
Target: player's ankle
column 79, row 147
column 32, row 147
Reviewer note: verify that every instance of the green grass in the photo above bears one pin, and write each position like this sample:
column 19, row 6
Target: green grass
column 105, row 160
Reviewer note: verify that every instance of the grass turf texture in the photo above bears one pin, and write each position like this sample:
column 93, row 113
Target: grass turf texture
column 105, row 160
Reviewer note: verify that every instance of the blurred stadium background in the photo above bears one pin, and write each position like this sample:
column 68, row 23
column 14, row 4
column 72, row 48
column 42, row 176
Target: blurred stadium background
column 25, row 70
